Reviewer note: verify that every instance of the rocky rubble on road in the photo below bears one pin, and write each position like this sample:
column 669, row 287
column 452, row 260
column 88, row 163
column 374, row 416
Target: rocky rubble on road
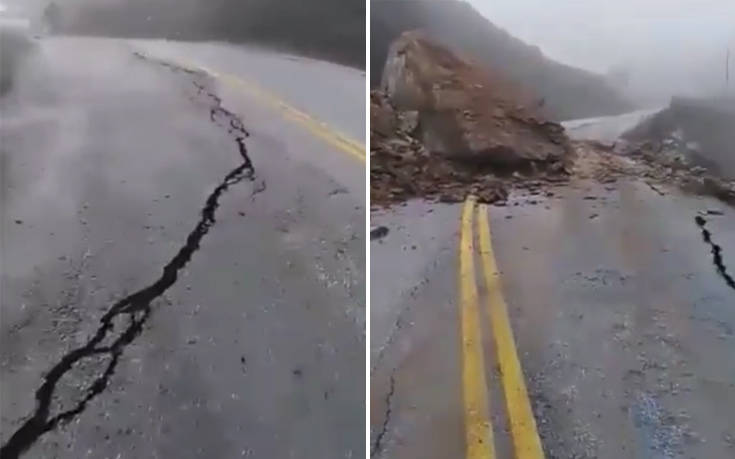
column 671, row 167
column 441, row 128
column 696, row 131
column 402, row 168
column 654, row 163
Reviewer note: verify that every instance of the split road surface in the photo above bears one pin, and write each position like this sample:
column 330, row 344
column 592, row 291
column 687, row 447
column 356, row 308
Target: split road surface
column 621, row 334
column 182, row 254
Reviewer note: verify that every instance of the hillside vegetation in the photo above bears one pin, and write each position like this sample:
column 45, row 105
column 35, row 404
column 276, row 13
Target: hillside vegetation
column 568, row 92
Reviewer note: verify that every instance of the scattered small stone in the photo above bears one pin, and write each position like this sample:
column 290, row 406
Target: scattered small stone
column 378, row 232
column 338, row 190
column 19, row 222
column 594, row 216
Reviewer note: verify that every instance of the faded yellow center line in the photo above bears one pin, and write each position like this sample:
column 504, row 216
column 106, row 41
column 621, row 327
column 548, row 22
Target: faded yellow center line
column 526, row 441
column 316, row 127
column 478, row 429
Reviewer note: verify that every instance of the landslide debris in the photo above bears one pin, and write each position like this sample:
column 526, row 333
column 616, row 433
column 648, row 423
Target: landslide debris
column 442, row 128
column 656, row 163
column 700, row 131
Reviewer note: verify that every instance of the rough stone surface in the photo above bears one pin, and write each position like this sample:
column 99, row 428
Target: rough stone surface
column 465, row 114
column 699, row 131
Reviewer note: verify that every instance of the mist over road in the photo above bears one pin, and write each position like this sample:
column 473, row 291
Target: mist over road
column 183, row 259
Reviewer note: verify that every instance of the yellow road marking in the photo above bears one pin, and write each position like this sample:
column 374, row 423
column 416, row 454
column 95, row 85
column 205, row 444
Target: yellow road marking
column 478, row 429
column 313, row 125
column 526, row 441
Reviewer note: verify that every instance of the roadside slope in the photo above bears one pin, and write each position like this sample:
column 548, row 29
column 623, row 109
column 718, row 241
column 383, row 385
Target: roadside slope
column 569, row 92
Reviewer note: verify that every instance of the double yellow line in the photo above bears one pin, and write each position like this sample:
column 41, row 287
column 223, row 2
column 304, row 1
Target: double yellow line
column 478, row 427
column 313, row 125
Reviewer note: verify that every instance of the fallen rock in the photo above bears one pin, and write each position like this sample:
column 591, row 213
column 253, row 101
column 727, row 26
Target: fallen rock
column 401, row 169
column 378, row 232
column 464, row 114
column 383, row 117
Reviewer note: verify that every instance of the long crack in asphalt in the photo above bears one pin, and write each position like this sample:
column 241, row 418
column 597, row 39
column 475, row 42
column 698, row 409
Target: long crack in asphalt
column 378, row 444
column 137, row 307
column 716, row 252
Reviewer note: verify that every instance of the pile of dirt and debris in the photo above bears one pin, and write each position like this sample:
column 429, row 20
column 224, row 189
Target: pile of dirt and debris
column 660, row 164
column 402, row 168
column 654, row 163
column 441, row 128
column 698, row 132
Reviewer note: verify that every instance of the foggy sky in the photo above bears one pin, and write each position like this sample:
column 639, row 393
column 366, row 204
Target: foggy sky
column 670, row 46
column 598, row 33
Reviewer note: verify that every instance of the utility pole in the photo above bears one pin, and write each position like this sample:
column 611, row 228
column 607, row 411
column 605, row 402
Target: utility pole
column 727, row 72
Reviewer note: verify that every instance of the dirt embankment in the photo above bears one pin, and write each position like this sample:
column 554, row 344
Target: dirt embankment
column 569, row 93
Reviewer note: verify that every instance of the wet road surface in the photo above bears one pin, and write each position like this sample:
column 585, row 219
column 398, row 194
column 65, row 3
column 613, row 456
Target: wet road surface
column 607, row 128
column 622, row 311
column 182, row 266
column 334, row 90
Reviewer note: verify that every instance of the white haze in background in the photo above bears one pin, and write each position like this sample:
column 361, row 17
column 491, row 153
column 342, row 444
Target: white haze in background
column 667, row 46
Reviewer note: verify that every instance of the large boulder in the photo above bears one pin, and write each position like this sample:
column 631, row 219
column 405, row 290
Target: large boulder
column 464, row 113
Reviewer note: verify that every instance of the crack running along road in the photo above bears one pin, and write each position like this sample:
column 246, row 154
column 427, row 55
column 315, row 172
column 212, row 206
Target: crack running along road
column 378, row 444
column 137, row 307
column 716, row 251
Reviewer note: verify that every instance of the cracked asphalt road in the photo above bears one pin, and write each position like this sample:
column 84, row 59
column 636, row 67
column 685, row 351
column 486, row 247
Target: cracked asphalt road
column 623, row 315
column 179, row 276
